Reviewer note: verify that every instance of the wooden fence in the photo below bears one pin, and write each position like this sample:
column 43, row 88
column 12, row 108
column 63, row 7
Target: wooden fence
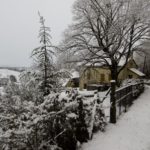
column 126, row 95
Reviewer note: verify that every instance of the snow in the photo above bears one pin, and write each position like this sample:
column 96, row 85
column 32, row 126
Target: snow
column 147, row 81
column 134, row 70
column 92, row 120
column 121, row 62
column 5, row 73
column 101, row 63
column 64, row 82
column 71, row 115
column 75, row 74
column 86, row 93
column 2, row 90
column 63, row 95
column 72, row 74
column 131, row 132
column 128, row 82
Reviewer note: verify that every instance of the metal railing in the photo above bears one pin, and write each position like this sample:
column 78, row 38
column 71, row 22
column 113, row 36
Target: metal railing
column 126, row 95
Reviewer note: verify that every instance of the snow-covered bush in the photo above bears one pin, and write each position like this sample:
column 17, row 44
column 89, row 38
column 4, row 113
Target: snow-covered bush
column 30, row 121
column 100, row 121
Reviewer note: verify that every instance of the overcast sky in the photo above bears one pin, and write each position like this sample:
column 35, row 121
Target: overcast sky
column 19, row 26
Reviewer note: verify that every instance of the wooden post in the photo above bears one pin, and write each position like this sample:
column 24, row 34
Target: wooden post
column 113, row 102
column 125, row 100
column 131, row 97
column 120, row 103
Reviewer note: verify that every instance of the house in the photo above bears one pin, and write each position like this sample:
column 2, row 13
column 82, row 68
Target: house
column 99, row 75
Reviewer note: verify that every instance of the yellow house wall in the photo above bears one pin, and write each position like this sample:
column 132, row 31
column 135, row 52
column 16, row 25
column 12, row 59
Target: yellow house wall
column 95, row 76
column 124, row 74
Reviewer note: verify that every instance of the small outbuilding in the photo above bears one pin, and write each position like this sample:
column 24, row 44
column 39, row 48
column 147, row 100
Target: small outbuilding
column 74, row 79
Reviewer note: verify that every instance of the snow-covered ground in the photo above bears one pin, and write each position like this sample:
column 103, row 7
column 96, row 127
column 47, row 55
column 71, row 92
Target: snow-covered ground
column 4, row 73
column 131, row 132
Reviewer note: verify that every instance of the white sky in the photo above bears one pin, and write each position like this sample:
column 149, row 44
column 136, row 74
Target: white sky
column 19, row 26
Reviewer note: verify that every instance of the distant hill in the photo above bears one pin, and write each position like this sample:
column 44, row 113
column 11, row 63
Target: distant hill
column 19, row 69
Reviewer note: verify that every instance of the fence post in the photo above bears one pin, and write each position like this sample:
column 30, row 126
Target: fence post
column 125, row 100
column 131, row 95
column 113, row 102
column 120, row 103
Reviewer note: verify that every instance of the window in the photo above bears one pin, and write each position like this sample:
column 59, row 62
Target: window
column 85, row 86
column 130, row 76
column 102, row 77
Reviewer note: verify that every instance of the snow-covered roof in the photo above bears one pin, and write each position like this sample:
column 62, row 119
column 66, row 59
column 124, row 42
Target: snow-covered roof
column 98, row 63
column 75, row 74
column 94, row 64
column 134, row 70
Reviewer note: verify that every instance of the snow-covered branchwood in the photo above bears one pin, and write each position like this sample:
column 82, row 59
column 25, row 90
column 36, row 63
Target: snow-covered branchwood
column 26, row 124
column 26, row 116
column 90, row 130
column 30, row 82
column 97, row 121
column 29, row 120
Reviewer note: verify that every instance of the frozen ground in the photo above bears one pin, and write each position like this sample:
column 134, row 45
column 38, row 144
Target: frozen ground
column 132, row 131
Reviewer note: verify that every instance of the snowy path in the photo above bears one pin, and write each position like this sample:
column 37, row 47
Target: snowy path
column 132, row 131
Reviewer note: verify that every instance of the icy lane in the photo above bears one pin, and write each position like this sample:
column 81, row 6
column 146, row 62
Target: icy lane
column 131, row 132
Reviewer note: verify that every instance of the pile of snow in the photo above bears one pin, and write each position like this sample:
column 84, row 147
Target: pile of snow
column 5, row 73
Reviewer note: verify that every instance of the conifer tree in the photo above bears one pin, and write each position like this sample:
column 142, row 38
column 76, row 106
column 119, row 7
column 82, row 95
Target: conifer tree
column 44, row 56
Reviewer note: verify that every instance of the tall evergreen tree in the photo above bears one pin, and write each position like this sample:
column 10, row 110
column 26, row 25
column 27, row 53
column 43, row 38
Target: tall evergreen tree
column 44, row 56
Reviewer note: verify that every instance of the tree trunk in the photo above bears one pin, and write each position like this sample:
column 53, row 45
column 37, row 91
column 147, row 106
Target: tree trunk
column 112, row 95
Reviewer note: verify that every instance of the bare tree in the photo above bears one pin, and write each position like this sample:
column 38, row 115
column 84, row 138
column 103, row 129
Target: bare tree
column 106, row 31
